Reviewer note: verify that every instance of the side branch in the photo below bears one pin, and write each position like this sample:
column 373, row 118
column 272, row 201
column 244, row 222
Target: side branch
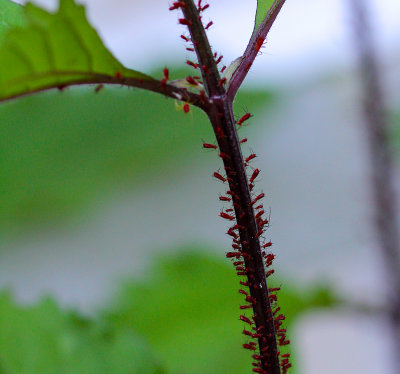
column 153, row 85
column 253, row 48
column 207, row 64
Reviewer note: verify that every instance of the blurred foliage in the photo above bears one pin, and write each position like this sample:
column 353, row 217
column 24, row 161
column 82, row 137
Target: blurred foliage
column 44, row 339
column 181, row 318
column 60, row 150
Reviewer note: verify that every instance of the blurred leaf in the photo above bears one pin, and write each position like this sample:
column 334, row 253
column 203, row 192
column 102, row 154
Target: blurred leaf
column 188, row 306
column 43, row 339
column 51, row 50
column 58, row 151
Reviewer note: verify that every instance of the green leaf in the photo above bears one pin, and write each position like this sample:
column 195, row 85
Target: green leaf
column 263, row 7
column 54, row 50
column 11, row 14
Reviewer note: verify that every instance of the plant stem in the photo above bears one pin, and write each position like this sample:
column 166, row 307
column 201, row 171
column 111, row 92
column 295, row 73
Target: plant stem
column 225, row 130
column 253, row 48
column 208, row 67
column 220, row 113
column 377, row 129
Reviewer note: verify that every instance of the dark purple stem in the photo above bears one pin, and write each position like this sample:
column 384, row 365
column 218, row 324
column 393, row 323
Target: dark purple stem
column 220, row 113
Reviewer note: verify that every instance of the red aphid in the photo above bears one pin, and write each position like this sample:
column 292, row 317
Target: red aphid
column 266, row 245
column 273, row 297
column 191, row 81
column 248, row 333
column 259, row 233
column 244, row 140
column 257, row 198
column 219, row 59
column 249, row 158
column 237, row 263
column 260, row 328
column 230, row 232
column 242, row 307
column 185, row 22
column 281, row 317
column 186, row 108
column 192, row 64
column 223, row 198
column 269, row 272
column 220, row 132
column 209, row 24
column 203, row 96
column 243, row 119
column 118, row 75
column 210, row 146
column 177, row 5
column 246, row 284
column 245, row 319
column 260, row 213
column 254, row 175
column 205, row 69
column 250, row 346
column 204, row 8
column 223, row 69
column 165, row 78
column 222, row 81
column 260, row 42
column 269, row 257
column 166, row 74
column 249, row 299
column 185, row 38
column 224, row 156
column 233, row 254
column 190, row 49
column 243, row 292
column 276, row 310
column 219, row 176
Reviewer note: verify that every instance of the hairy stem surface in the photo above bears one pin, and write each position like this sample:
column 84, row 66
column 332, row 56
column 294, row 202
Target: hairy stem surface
column 219, row 110
column 221, row 117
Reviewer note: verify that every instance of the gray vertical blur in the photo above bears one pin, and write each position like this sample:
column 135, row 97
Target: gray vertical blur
column 381, row 162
